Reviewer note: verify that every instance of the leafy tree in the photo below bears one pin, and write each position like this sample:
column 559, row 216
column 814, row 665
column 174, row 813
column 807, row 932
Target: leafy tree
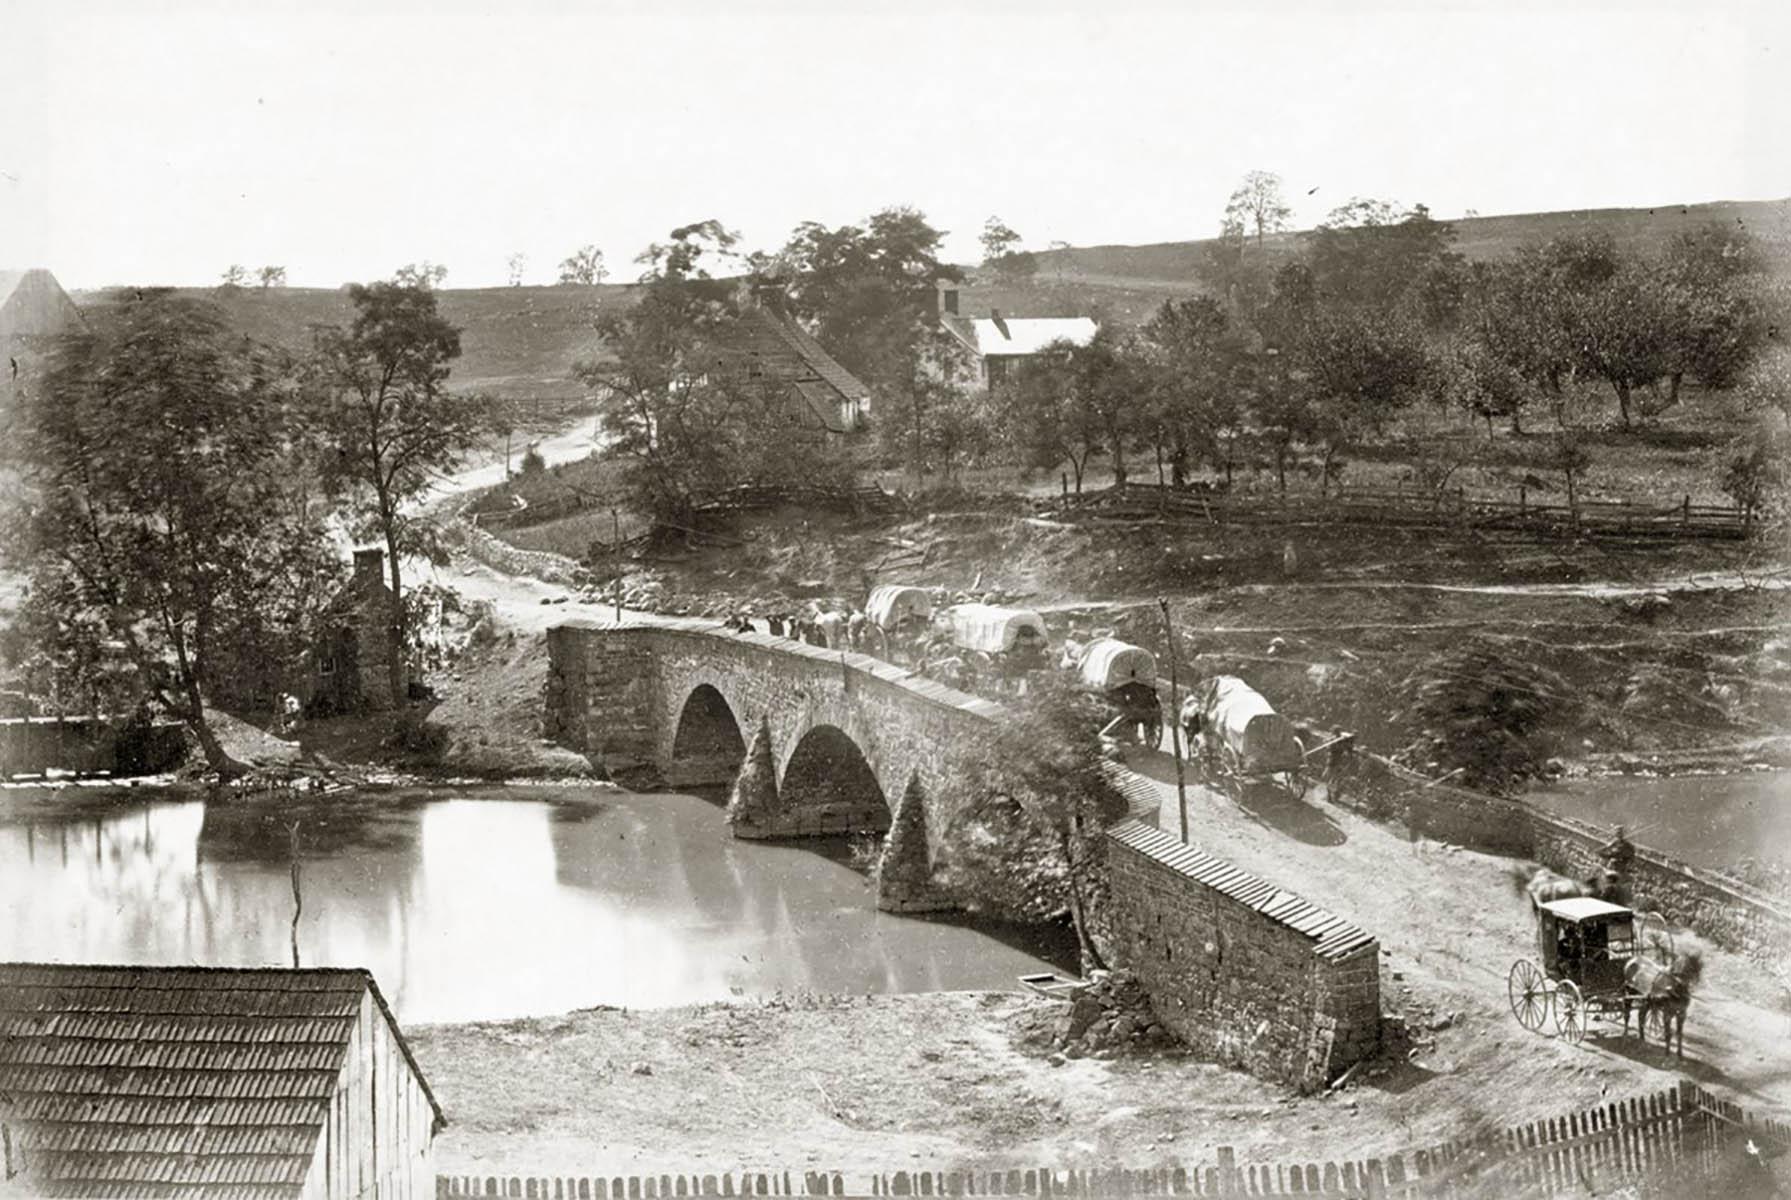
column 272, row 277
column 685, row 415
column 1483, row 384
column 425, row 275
column 1626, row 333
column 1570, row 457
column 1190, row 351
column 517, row 263
column 1758, row 478
column 170, row 538
column 1000, row 252
column 391, row 425
column 583, row 266
column 1257, row 205
column 867, row 292
column 1026, row 843
column 1047, row 414
column 932, row 426
column 235, row 275
column 1371, row 253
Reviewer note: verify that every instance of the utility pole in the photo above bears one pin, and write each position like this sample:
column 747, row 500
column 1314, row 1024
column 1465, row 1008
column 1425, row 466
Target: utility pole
column 1175, row 718
column 615, row 552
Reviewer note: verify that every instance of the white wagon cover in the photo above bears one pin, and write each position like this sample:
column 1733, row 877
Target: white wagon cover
column 1109, row 663
column 891, row 603
column 1236, row 713
column 990, row 628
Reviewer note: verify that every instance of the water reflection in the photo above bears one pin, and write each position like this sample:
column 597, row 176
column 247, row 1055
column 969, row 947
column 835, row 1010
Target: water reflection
column 471, row 906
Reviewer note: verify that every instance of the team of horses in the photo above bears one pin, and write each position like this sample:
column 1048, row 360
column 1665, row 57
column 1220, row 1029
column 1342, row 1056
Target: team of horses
column 1650, row 986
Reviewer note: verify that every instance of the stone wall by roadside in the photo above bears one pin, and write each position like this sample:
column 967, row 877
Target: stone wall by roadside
column 1242, row 971
column 1727, row 912
column 500, row 555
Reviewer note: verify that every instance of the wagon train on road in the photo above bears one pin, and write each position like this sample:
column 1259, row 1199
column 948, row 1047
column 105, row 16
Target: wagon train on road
column 1597, row 962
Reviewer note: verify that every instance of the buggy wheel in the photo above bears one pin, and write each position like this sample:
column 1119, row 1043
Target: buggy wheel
column 1654, row 938
column 1296, row 784
column 1651, row 1024
column 1528, row 992
column 1570, row 1012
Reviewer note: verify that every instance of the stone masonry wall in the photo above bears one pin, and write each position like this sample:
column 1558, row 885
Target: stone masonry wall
column 1239, row 985
column 1727, row 912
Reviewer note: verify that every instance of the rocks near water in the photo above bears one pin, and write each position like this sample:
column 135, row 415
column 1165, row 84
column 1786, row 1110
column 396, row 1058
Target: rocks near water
column 1111, row 1016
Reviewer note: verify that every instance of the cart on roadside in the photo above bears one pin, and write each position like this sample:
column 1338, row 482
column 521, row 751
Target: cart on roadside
column 1579, row 978
column 1238, row 738
column 1125, row 676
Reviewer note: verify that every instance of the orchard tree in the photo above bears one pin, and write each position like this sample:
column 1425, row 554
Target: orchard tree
column 517, row 264
column 1044, row 414
column 583, row 266
column 424, row 275
column 1190, row 352
column 1257, row 206
column 1027, row 841
column 235, row 276
column 1374, row 253
column 1001, row 253
column 165, row 521
column 272, row 277
column 391, row 425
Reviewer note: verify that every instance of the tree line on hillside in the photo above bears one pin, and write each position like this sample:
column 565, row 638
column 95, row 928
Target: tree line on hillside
column 1290, row 360
column 177, row 485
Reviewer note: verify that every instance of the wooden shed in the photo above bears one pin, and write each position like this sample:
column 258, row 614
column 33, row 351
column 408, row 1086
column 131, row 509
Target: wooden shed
column 229, row 1084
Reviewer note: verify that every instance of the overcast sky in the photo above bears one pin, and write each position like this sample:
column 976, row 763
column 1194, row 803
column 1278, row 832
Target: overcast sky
column 158, row 141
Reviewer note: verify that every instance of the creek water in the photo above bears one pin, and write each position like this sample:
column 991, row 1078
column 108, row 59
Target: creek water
column 472, row 905
column 1707, row 820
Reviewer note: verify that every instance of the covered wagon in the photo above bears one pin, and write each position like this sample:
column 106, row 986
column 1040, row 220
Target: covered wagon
column 1006, row 643
column 1239, row 735
column 894, row 606
column 1126, row 676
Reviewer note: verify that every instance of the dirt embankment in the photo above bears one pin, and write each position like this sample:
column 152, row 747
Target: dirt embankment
column 945, row 1080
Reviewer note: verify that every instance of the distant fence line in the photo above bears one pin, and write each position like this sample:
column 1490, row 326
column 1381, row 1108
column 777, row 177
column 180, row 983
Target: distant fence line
column 1659, row 1137
column 1140, row 502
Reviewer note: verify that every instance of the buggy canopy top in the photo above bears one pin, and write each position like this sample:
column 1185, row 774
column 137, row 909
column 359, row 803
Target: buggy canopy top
column 994, row 630
column 1583, row 908
column 1262, row 740
column 1110, row 663
column 893, row 603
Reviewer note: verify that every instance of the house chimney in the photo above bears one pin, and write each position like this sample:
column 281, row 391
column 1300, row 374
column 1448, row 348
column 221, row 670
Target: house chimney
column 948, row 298
column 370, row 565
column 995, row 316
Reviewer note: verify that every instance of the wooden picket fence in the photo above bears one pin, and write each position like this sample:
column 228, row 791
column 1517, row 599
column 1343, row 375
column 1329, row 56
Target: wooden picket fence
column 1134, row 502
column 1658, row 1145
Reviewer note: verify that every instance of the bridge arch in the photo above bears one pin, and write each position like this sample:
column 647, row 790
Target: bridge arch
column 829, row 785
column 708, row 743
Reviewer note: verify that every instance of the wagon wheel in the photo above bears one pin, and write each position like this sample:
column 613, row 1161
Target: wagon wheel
column 1528, row 992
column 1296, row 783
column 1654, row 938
column 1570, row 1012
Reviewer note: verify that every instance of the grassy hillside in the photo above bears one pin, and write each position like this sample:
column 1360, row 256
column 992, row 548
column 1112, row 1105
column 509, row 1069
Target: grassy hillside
column 1643, row 229
column 516, row 342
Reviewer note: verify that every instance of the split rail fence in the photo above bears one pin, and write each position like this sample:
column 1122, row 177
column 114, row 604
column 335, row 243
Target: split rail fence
column 1134, row 502
column 1671, row 1143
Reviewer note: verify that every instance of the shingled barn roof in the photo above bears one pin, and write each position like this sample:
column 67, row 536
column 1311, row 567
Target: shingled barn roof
column 129, row 1082
column 784, row 350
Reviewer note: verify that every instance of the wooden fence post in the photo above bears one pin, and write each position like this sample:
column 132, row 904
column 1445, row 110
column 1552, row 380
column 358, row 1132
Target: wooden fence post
column 1522, row 499
column 1064, row 479
column 1685, row 511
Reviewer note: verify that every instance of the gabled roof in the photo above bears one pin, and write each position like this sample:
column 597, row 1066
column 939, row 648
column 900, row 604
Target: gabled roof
column 130, row 1081
column 993, row 337
column 783, row 350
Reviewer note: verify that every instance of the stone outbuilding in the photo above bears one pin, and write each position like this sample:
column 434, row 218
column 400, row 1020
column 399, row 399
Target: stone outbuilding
column 350, row 666
column 213, row 1083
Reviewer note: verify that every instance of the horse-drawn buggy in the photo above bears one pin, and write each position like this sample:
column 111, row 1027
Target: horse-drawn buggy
column 1237, row 737
column 1125, row 676
column 1596, row 961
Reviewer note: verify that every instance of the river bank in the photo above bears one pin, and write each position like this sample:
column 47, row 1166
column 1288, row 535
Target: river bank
column 944, row 1080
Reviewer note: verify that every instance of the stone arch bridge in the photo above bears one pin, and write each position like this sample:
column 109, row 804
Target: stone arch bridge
column 857, row 745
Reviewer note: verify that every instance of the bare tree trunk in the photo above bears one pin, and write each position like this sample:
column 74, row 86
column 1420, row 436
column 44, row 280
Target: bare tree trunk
column 395, row 668
column 1623, row 402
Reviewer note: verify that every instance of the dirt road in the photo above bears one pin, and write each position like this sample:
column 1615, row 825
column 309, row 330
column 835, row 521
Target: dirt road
column 1452, row 925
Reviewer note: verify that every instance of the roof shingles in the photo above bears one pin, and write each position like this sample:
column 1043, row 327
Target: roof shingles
column 171, row 1081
